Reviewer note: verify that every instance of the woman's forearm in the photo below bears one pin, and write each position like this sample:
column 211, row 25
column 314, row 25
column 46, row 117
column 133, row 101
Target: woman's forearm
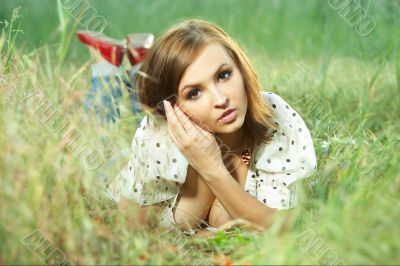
column 236, row 201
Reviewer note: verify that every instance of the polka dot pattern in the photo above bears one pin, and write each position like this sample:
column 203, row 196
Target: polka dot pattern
column 157, row 169
column 288, row 158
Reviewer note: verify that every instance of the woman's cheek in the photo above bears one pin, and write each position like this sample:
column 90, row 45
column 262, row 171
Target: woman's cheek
column 203, row 124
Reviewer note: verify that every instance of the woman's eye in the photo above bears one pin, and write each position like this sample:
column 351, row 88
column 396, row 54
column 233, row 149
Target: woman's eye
column 191, row 94
column 225, row 74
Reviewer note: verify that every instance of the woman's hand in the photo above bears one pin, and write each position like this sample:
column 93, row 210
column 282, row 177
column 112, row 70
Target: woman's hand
column 197, row 145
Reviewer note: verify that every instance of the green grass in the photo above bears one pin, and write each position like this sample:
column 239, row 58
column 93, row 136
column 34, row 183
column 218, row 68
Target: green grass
column 283, row 29
column 347, row 89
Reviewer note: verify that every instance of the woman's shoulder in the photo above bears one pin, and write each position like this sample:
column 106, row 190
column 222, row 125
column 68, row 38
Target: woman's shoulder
column 281, row 107
column 268, row 95
column 153, row 141
column 151, row 127
column 291, row 152
column 156, row 167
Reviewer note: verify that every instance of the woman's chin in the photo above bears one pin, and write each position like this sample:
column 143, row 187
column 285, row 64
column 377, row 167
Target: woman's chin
column 229, row 128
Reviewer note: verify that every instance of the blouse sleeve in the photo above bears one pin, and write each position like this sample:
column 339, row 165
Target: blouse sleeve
column 289, row 158
column 156, row 167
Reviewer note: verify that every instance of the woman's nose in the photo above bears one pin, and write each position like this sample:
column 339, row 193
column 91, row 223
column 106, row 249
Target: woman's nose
column 220, row 99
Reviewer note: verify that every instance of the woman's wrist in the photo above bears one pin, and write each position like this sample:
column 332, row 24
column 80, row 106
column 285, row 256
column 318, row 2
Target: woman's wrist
column 218, row 174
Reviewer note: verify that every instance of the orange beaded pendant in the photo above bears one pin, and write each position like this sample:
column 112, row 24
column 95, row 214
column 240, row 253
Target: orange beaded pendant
column 246, row 156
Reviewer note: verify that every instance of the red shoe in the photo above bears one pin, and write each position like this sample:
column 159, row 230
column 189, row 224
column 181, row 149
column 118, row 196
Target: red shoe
column 137, row 46
column 110, row 49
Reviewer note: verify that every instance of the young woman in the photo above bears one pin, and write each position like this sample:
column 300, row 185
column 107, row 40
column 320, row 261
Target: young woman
column 212, row 146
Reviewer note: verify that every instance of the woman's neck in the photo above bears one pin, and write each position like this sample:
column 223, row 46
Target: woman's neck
column 233, row 141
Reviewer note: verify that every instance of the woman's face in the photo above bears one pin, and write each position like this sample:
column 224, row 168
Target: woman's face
column 211, row 85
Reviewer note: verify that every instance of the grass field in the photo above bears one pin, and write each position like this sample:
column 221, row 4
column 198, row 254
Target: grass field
column 345, row 86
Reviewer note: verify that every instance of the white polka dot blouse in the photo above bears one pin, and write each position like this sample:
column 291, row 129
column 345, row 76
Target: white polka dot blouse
column 156, row 168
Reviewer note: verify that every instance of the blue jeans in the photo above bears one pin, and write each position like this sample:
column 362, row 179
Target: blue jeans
column 105, row 94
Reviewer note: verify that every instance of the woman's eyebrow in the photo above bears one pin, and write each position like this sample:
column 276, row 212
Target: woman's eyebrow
column 216, row 71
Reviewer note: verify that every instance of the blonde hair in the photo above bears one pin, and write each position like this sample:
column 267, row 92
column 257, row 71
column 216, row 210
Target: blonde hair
column 171, row 54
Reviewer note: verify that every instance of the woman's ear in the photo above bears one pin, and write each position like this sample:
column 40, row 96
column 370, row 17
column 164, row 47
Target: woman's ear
column 172, row 100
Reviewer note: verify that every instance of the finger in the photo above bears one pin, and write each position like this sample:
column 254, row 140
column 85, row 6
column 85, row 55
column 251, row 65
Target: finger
column 196, row 128
column 167, row 109
column 176, row 126
column 202, row 130
column 187, row 124
column 173, row 137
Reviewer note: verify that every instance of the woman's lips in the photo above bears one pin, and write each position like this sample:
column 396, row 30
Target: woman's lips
column 229, row 117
